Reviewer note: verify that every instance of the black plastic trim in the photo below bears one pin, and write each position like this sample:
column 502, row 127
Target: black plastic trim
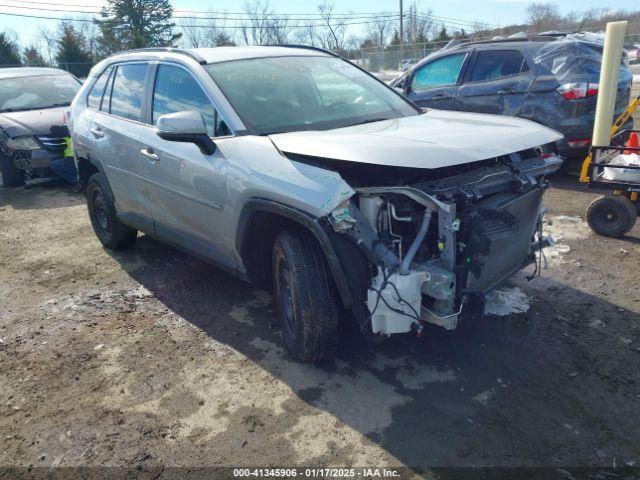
column 307, row 221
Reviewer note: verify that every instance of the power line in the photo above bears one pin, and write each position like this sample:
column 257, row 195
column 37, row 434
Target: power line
column 222, row 17
column 227, row 15
column 248, row 27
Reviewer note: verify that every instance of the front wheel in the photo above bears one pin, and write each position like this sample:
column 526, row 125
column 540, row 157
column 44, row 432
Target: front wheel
column 10, row 176
column 113, row 234
column 612, row 216
column 306, row 298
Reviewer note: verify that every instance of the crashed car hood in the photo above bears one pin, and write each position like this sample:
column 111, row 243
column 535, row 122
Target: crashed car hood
column 48, row 121
column 437, row 138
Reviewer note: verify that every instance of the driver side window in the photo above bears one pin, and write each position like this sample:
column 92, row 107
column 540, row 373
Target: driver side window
column 176, row 90
column 440, row 72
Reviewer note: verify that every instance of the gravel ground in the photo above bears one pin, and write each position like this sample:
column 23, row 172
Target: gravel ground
column 150, row 359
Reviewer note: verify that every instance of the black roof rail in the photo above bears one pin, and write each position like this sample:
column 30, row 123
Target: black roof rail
column 181, row 51
column 306, row 47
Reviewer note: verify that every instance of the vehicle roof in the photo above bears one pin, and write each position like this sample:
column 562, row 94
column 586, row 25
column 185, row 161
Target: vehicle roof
column 532, row 44
column 218, row 54
column 223, row 54
column 19, row 72
column 528, row 42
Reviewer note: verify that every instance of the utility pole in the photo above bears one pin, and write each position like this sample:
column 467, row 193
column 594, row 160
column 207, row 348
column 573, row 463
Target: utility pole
column 401, row 37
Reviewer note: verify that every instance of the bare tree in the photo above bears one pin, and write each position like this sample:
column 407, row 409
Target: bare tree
column 49, row 40
column 306, row 34
column 543, row 16
column 380, row 30
column 417, row 25
column 91, row 33
column 205, row 32
column 334, row 27
column 263, row 26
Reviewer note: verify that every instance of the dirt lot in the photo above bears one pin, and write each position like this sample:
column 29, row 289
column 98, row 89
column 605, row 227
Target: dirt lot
column 150, row 359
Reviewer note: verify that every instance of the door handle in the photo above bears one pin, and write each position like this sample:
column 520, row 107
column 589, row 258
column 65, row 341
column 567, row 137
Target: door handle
column 148, row 153
column 506, row 91
column 97, row 132
column 440, row 96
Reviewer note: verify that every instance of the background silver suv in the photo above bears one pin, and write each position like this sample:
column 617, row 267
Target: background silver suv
column 294, row 165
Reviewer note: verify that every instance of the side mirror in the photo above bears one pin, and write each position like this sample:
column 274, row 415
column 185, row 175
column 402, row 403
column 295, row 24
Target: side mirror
column 187, row 126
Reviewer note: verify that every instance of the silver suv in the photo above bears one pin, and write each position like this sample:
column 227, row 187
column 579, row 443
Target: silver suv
column 293, row 165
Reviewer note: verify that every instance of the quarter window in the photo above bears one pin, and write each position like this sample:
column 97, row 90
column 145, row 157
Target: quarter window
column 127, row 91
column 176, row 91
column 97, row 91
column 443, row 71
column 495, row 64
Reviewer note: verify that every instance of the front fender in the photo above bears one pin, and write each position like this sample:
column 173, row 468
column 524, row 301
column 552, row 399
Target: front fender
column 311, row 224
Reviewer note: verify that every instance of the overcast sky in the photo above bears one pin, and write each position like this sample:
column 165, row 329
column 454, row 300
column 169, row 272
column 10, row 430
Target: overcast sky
column 494, row 12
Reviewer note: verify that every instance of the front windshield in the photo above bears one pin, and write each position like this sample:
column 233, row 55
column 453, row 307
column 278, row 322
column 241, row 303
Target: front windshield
column 36, row 92
column 282, row 94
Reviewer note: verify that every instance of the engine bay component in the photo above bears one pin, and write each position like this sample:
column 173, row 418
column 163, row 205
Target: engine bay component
column 395, row 301
column 463, row 235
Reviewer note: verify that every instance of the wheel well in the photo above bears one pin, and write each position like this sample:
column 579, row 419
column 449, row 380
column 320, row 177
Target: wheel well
column 348, row 264
column 258, row 240
column 85, row 170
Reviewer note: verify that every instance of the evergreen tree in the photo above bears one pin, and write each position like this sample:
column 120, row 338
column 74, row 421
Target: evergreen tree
column 72, row 54
column 33, row 57
column 395, row 39
column 129, row 24
column 9, row 51
column 442, row 35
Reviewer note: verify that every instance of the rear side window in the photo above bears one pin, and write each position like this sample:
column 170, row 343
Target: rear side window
column 95, row 95
column 127, row 91
column 176, row 91
column 495, row 64
column 443, row 71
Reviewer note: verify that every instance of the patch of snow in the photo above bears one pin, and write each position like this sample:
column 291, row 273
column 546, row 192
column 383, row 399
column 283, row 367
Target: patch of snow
column 506, row 301
column 563, row 228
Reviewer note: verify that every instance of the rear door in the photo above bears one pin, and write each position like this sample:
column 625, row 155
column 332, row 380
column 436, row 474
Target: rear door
column 115, row 132
column 497, row 81
column 435, row 84
column 187, row 188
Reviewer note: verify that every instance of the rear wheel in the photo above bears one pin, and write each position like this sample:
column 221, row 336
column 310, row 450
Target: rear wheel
column 612, row 216
column 113, row 234
column 10, row 176
column 306, row 298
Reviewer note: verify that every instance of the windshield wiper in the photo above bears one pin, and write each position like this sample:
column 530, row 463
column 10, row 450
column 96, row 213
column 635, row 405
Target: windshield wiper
column 371, row 120
column 54, row 105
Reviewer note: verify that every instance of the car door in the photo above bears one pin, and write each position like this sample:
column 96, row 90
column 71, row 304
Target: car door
column 187, row 188
column 435, row 84
column 115, row 132
column 497, row 81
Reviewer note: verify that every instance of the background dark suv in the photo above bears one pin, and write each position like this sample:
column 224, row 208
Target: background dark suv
column 552, row 80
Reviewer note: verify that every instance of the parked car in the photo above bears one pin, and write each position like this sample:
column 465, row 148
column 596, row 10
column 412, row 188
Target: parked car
column 294, row 165
column 32, row 124
column 552, row 80
column 633, row 52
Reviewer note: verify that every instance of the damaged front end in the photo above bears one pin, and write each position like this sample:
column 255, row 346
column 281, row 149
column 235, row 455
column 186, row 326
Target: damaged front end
column 436, row 243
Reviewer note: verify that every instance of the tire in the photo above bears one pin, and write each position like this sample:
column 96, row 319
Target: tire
column 10, row 176
column 111, row 232
column 612, row 216
column 306, row 298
